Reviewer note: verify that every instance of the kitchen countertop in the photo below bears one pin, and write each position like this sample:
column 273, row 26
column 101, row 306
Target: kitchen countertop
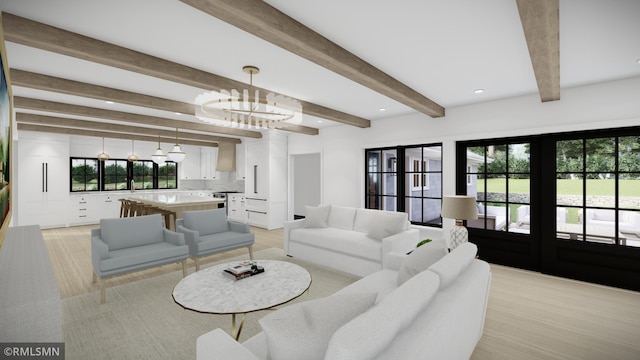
column 173, row 198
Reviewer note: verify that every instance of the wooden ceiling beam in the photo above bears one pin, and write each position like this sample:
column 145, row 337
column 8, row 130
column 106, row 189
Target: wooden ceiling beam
column 541, row 24
column 268, row 23
column 106, row 134
column 70, row 87
column 32, row 33
column 46, row 120
column 78, row 110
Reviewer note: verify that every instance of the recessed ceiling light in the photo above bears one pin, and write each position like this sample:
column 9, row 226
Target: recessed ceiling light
column 638, row 61
column 478, row 91
column 109, row 102
column 319, row 121
column 382, row 109
column 178, row 113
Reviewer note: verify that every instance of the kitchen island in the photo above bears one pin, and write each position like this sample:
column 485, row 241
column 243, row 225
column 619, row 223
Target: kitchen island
column 177, row 202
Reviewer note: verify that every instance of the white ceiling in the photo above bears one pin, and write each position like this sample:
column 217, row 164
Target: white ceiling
column 442, row 49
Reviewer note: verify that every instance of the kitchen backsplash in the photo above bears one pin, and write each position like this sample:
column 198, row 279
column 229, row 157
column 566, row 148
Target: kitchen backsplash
column 213, row 185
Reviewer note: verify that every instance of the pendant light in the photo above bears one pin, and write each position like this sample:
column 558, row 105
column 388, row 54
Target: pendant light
column 133, row 157
column 176, row 155
column 103, row 155
column 158, row 157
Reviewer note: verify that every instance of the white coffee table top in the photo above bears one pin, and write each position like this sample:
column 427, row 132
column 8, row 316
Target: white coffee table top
column 210, row 291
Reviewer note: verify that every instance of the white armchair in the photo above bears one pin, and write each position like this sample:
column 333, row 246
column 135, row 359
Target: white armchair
column 524, row 215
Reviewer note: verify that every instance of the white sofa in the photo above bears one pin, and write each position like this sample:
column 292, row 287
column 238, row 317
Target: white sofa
column 628, row 221
column 353, row 240
column 432, row 307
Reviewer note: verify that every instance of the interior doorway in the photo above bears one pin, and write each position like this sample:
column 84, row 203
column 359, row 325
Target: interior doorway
column 306, row 183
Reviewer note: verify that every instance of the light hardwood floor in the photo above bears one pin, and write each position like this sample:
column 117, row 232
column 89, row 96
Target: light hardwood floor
column 529, row 315
column 70, row 253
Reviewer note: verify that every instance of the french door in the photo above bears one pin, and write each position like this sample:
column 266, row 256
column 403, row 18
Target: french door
column 574, row 213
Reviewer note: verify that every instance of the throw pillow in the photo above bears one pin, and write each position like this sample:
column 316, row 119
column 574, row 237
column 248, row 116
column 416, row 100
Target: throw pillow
column 316, row 216
column 303, row 330
column 420, row 260
column 386, row 225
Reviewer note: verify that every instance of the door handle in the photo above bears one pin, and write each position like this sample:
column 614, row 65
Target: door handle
column 46, row 183
column 255, row 179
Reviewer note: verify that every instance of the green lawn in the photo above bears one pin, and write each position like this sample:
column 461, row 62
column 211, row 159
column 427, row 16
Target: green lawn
column 566, row 187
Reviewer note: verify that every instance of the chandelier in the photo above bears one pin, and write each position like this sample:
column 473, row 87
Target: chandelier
column 247, row 109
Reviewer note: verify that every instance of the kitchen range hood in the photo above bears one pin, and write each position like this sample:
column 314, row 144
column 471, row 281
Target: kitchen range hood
column 226, row 157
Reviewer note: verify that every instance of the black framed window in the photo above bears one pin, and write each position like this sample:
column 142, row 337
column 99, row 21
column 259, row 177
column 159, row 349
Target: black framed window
column 143, row 174
column 381, row 183
column 115, row 175
column 598, row 189
column 89, row 174
column 167, row 175
column 84, row 174
column 406, row 179
column 499, row 176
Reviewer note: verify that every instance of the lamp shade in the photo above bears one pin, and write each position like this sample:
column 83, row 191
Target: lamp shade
column 158, row 157
column 459, row 207
column 176, row 155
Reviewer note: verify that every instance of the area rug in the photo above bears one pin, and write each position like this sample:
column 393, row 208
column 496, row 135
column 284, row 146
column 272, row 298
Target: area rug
column 141, row 321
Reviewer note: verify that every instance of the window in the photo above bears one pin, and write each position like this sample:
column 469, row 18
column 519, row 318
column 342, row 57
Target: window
column 115, row 175
column 598, row 189
column 499, row 176
column 381, row 174
column 89, row 174
column 84, row 175
column 143, row 174
column 408, row 179
column 167, row 175
column 419, row 179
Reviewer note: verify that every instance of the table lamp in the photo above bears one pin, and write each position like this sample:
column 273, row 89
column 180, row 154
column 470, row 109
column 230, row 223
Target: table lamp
column 459, row 207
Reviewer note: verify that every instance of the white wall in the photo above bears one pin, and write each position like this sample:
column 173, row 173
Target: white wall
column 306, row 184
column 606, row 105
column 87, row 146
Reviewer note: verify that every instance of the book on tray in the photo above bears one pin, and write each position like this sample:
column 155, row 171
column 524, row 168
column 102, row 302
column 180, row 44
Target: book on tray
column 243, row 270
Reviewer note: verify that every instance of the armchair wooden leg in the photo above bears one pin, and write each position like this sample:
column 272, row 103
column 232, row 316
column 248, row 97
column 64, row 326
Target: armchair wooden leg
column 184, row 268
column 250, row 252
column 95, row 277
column 103, row 291
column 197, row 261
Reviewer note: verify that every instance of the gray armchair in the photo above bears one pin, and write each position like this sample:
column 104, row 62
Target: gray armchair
column 209, row 232
column 124, row 245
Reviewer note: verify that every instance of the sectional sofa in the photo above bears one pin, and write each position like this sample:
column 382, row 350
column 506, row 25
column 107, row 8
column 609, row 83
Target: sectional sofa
column 432, row 307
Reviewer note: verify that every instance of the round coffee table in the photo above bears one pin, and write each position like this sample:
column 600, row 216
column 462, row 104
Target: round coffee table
column 211, row 291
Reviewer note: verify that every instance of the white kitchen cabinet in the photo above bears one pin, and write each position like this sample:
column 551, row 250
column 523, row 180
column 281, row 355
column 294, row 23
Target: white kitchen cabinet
column 240, row 161
column 108, row 206
column 190, row 167
column 90, row 208
column 266, row 181
column 43, row 175
column 83, row 209
column 208, row 160
column 257, row 170
column 237, row 207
